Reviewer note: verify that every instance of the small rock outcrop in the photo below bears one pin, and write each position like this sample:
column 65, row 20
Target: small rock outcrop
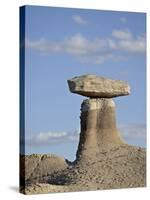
column 36, row 166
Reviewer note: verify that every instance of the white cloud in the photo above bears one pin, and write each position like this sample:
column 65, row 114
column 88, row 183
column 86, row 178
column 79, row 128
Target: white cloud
column 96, row 50
column 127, row 43
column 122, row 34
column 123, row 19
column 49, row 138
column 79, row 20
column 99, row 59
column 133, row 131
column 135, row 45
column 76, row 45
column 43, row 45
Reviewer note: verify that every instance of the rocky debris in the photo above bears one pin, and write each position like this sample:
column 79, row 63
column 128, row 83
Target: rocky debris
column 98, row 87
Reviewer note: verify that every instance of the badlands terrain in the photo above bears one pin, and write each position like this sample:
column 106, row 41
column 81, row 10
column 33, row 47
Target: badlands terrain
column 103, row 159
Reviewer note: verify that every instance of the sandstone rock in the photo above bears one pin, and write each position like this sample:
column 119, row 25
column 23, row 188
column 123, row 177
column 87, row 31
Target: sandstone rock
column 94, row 86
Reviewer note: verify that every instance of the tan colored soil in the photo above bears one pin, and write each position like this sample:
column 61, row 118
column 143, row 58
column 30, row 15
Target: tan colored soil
column 121, row 167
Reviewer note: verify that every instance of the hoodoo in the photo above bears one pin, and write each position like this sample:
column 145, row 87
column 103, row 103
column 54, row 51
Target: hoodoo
column 98, row 120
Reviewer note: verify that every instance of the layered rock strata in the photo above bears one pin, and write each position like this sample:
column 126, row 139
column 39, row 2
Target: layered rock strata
column 98, row 128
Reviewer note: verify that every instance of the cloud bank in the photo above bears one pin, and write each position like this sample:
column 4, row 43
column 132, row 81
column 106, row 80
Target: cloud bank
column 128, row 132
column 97, row 50
column 50, row 138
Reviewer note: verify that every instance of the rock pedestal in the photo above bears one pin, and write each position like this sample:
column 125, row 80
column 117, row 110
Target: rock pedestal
column 98, row 128
column 98, row 121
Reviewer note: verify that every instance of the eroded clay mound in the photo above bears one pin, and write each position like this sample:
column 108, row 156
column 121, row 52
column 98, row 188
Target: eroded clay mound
column 39, row 165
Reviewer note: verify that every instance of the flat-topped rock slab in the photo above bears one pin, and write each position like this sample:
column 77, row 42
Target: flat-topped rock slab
column 98, row 87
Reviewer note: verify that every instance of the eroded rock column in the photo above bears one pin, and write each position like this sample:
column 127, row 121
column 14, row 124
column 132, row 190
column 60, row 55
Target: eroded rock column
column 98, row 127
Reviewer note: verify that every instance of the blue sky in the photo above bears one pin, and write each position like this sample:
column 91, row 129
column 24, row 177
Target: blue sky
column 63, row 43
